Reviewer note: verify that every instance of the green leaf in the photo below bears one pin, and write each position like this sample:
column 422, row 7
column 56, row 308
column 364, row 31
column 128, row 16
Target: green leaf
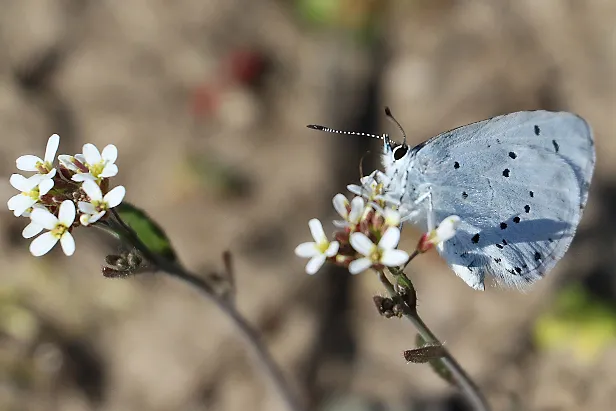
column 148, row 231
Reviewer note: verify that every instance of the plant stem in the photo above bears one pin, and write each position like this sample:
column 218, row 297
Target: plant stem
column 462, row 379
column 250, row 336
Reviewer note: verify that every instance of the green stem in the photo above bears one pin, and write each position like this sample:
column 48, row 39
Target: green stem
column 250, row 336
column 462, row 379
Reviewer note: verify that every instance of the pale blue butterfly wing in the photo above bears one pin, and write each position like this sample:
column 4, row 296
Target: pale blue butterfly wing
column 519, row 182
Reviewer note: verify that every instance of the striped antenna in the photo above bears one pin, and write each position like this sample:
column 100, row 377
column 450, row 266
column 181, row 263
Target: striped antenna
column 352, row 133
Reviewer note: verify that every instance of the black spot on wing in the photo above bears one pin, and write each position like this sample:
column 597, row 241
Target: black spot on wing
column 512, row 154
column 556, row 146
column 527, row 208
column 506, row 172
column 475, row 238
column 503, row 226
column 537, row 130
column 537, row 256
column 532, row 194
column 456, row 165
column 499, row 246
column 464, row 195
column 516, row 219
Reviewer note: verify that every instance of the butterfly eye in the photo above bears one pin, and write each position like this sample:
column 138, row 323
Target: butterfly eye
column 400, row 151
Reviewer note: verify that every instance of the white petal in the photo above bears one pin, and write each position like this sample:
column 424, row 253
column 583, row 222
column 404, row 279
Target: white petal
column 67, row 161
column 355, row 189
column 22, row 183
column 42, row 244
column 340, row 224
column 317, row 231
column 31, row 230
column 390, row 239
column 357, row 209
column 92, row 190
column 52, row 148
column 394, row 258
column 44, row 218
column 45, row 186
column 115, row 196
column 392, row 217
column 20, row 203
column 333, row 248
column 68, row 243
column 79, row 177
column 28, row 162
column 110, row 170
column 359, row 265
column 66, row 215
column 340, row 205
column 50, row 174
column 110, row 153
column 95, row 217
column 315, row 263
column 306, row 250
column 91, row 154
column 361, row 243
column 447, row 228
column 84, row 219
column 86, row 208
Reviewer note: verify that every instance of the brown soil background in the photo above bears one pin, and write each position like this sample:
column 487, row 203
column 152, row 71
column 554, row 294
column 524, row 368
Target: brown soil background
column 125, row 72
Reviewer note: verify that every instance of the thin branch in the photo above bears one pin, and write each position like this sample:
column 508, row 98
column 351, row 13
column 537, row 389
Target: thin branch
column 250, row 336
column 462, row 379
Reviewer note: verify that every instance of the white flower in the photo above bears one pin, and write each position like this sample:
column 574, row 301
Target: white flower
column 98, row 205
column 445, row 231
column 352, row 213
column 392, row 217
column 33, row 163
column 100, row 165
column 32, row 189
column 58, row 229
column 319, row 250
column 383, row 253
column 371, row 185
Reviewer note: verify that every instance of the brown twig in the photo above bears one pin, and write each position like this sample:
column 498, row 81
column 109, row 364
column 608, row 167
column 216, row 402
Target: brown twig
column 461, row 378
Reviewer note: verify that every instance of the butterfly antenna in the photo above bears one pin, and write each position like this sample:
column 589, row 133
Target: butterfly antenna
column 352, row 133
column 392, row 118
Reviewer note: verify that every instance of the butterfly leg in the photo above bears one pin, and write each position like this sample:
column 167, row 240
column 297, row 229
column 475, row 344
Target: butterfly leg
column 427, row 196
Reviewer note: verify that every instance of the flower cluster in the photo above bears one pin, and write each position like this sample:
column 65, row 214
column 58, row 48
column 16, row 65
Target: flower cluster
column 54, row 196
column 369, row 231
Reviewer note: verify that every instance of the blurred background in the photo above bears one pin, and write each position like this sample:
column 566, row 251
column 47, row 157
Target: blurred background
column 207, row 102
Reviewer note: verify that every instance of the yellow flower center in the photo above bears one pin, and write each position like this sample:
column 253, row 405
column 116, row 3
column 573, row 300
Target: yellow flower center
column 33, row 194
column 323, row 246
column 96, row 169
column 375, row 254
column 59, row 230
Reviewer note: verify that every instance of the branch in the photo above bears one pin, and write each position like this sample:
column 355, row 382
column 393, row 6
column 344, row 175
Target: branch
column 250, row 336
column 461, row 378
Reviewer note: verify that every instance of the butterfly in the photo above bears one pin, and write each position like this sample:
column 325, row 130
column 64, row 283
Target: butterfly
column 519, row 182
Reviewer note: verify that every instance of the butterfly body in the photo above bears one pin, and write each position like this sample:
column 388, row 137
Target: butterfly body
column 519, row 183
